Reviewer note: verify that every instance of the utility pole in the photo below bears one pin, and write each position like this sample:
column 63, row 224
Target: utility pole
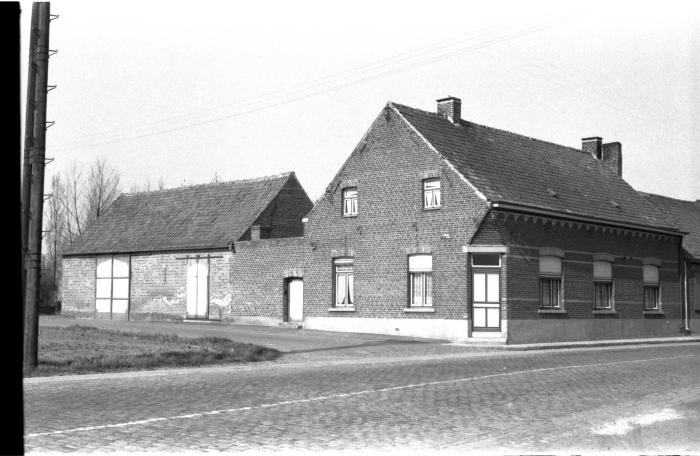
column 28, row 143
column 36, row 202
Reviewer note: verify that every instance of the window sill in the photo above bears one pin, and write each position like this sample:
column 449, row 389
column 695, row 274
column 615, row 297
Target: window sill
column 653, row 312
column 341, row 309
column 419, row 310
column 551, row 311
column 432, row 208
column 604, row 311
column 349, row 215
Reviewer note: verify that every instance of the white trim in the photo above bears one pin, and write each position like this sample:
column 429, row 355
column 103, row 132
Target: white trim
column 484, row 249
column 425, row 309
column 476, row 190
column 434, row 328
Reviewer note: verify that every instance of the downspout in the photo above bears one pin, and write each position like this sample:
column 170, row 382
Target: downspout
column 685, row 295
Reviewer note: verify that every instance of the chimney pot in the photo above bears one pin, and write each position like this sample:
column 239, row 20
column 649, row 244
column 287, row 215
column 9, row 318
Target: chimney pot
column 450, row 107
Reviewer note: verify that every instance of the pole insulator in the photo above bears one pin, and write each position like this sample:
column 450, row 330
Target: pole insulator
column 48, row 160
column 52, row 17
column 51, row 87
column 47, row 196
column 53, row 52
column 50, row 123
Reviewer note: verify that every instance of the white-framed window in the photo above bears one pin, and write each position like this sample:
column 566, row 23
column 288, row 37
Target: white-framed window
column 343, row 283
column 432, row 199
column 112, row 285
column 486, row 260
column 550, row 282
column 651, row 286
column 602, row 285
column 350, row 201
column 420, row 280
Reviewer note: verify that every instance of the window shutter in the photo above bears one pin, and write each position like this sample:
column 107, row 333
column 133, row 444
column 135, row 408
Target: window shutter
column 651, row 274
column 602, row 270
column 420, row 263
column 550, row 266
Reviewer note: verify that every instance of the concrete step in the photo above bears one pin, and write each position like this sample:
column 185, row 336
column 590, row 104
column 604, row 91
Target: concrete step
column 291, row 324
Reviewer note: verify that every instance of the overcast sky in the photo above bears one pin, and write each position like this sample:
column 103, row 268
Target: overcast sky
column 183, row 91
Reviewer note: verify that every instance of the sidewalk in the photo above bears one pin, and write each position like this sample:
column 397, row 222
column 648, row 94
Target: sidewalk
column 307, row 348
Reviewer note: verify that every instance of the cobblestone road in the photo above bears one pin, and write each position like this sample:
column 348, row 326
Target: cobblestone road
column 643, row 398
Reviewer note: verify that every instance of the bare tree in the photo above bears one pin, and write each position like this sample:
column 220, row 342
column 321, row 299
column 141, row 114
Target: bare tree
column 71, row 199
column 102, row 189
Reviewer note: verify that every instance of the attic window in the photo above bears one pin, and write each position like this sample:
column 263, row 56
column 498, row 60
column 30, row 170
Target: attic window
column 553, row 193
column 615, row 204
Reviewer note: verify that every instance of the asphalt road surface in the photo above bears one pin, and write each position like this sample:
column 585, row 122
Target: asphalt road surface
column 636, row 399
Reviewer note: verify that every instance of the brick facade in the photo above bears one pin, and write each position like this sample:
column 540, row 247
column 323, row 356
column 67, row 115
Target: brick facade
column 388, row 168
column 525, row 236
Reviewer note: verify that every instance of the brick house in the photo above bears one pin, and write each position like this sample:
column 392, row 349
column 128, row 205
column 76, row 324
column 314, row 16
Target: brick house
column 439, row 227
column 686, row 214
column 197, row 252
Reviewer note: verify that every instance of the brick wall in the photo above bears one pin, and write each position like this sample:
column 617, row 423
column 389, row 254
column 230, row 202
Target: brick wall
column 78, row 284
column 258, row 270
column 525, row 237
column 157, row 285
column 282, row 217
column 388, row 168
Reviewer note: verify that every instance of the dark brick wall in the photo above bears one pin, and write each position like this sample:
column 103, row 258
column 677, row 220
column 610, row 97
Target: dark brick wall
column 388, row 167
column 282, row 217
column 526, row 237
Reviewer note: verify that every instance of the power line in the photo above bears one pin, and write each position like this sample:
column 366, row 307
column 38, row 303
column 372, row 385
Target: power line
column 336, row 87
column 316, row 82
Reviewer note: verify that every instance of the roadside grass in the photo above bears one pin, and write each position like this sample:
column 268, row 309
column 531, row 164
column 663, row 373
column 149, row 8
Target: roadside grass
column 79, row 349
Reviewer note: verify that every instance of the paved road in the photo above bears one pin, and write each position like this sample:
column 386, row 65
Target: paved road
column 644, row 398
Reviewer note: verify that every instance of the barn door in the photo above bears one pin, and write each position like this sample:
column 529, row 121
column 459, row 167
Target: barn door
column 197, row 288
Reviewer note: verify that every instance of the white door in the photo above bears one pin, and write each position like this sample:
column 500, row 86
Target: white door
column 197, row 288
column 296, row 299
column 486, row 301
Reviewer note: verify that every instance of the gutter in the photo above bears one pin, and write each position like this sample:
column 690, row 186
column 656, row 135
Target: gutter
column 504, row 205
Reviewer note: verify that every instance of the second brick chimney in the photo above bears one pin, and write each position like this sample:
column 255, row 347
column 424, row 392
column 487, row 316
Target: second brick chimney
column 450, row 107
column 610, row 154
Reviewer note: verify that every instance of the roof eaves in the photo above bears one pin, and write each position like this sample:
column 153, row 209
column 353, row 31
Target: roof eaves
column 415, row 130
column 507, row 205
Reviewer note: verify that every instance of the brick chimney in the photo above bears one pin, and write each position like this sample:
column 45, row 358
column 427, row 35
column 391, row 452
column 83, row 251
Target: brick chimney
column 610, row 154
column 255, row 233
column 450, row 107
column 593, row 145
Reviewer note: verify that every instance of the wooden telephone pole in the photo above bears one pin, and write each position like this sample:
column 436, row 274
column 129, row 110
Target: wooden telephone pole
column 28, row 143
column 36, row 200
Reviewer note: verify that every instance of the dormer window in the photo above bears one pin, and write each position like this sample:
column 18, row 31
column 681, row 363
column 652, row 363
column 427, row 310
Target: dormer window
column 432, row 199
column 350, row 202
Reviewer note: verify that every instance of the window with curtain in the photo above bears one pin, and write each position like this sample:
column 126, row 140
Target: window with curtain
column 550, row 282
column 602, row 285
column 344, row 295
column 431, row 194
column 420, row 280
column 651, row 286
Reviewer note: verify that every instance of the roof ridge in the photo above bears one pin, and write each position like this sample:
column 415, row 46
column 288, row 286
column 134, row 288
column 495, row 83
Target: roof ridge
column 213, row 184
column 668, row 197
column 492, row 128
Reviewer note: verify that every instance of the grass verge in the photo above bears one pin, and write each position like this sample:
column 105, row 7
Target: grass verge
column 78, row 350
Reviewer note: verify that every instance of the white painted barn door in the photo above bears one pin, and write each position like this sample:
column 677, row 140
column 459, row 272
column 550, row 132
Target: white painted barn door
column 197, row 288
column 296, row 299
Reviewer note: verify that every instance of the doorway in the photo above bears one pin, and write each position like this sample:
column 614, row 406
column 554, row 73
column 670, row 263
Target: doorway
column 294, row 299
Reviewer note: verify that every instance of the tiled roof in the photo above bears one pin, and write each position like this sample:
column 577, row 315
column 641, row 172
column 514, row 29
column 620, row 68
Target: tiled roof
column 510, row 168
column 195, row 217
column 686, row 214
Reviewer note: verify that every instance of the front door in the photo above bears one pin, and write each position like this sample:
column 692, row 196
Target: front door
column 198, row 288
column 295, row 299
column 486, row 302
